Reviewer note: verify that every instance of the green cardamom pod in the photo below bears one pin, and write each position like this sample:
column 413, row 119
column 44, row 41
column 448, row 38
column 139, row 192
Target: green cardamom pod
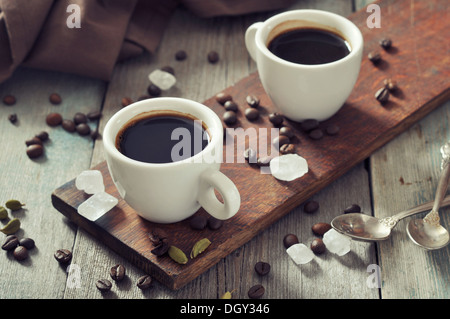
column 12, row 226
column 14, row 204
column 227, row 295
column 200, row 247
column 3, row 212
column 177, row 255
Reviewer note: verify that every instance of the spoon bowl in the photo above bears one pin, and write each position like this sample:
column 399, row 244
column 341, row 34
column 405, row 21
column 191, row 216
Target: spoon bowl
column 428, row 236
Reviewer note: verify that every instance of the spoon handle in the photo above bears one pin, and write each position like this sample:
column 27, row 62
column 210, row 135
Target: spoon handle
column 420, row 208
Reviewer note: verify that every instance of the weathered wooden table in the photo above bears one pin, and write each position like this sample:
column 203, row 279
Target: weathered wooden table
column 401, row 174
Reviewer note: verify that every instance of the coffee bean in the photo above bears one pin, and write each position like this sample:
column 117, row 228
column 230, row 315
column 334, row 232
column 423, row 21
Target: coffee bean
column 153, row 90
column 280, row 140
column 257, row 291
column 214, row 223
column 33, row 140
column 95, row 134
column 126, row 101
column 390, row 84
column 213, row 57
column 320, row 228
column 264, row 161
column 354, row 208
column 83, row 129
column 252, row 101
column 289, row 240
column 54, row 119
column 68, row 125
column 382, row 95
column 332, row 129
column 309, row 125
column 161, row 247
column 10, row 243
column 20, row 253
column 35, row 150
column 103, row 285
column 26, row 242
column 80, row 118
column 144, row 282
column 231, row 106
column 117, row 272
column 250, row 155
column 63, row 256
column 276, row 119
column 55, row 98
column 229, row 117
column 262, row 268
column 198, row 222
column 287, row 131
column 43, row 136
column 12, row 118
column 94, row 115
column 316, row 134
column 156, row 235
column 9, row 99
column 180, row 55
column 287, row 149
column 374, row 57
column 386, row 43
column 223, row 97
column 311, row 207
column 251, row 114
column 317, row 246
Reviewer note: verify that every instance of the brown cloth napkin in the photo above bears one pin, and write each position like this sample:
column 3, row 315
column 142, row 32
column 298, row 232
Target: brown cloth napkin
column 35, row 33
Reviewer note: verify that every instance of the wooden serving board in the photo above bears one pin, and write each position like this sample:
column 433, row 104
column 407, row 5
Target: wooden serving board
column 420, row 62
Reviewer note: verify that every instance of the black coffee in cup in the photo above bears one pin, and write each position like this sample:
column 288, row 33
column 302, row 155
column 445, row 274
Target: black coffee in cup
column 162, row 137
column 309, row 46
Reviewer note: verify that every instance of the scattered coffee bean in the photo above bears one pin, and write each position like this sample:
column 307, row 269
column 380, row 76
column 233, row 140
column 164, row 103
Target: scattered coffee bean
column 251, row 114
column 316, row 134
column 317, row 246
column 126, row 101
column 161, row 248
column 144, row 282
column 54, row 119
column 276, row 119
column 223, row 97
column 35, row 150
column 83, row 129
column 264, row 161
column 156, row 235
column 311, row 207
column 386, row 43
column 252, row 101
column 168, row 69
column 250, row 155
column 55, row 98
column 33, row 140
column 198, row 222
column 257, row 291
column 95, row 134
column 382, row 95
column 9, row 100
column 214, row 223
column 63, row 256
column 354, row 208
column 153, row 90
column 117, row 272
column 281, row 140
column 332, row 129
column 287, row 131
column 213, row 57
column 94, row 115
column 287, row 149
column 68, row 125
column 26, row 242
column 229, row 117
column 262, row 268
column 374, row 57
column 320, row 228
column 12, row 118
column 103, row 285
column 10, row 243
column 289, row 240
column 180, row 55
column 20, row 253
column 309, row 125
column 231, row 106
column 80, row 118
column 43, row 136
column 390, row 84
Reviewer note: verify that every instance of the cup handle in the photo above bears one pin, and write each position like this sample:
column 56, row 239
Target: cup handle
column 213, row 179
column 250, row 39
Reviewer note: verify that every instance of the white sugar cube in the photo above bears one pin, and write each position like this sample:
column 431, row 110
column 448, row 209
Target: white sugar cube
column 337, row 243
column 90, row 181
column 288, row 167
column 162, row 79
column 97, row 205
column 300, row 254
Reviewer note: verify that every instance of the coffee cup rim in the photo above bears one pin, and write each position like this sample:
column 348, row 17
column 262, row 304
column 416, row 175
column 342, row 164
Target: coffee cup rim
column 155, row 103
column 292, row 15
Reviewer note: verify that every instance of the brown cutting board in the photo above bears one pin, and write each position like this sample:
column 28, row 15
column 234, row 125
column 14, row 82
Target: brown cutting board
column 420, row 62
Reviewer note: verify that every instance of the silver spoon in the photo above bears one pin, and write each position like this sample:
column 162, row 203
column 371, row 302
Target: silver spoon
column 428, row 232
column 368, row 228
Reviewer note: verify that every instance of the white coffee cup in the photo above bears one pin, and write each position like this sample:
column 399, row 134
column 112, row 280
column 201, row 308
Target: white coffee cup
column 301, row 91
column 171, row 192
